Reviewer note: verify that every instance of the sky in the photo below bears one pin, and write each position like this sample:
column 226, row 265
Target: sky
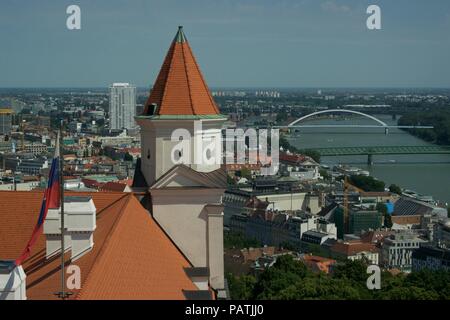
column 237, row 43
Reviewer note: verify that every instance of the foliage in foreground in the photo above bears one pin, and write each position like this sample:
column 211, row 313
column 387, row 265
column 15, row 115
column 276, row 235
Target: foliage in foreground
column 291, row 280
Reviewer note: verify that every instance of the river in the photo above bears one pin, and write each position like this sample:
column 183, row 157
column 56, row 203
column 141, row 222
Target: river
column 426, row 174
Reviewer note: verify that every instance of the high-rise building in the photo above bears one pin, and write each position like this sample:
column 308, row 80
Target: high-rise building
column 5, row 121
column 122, row 106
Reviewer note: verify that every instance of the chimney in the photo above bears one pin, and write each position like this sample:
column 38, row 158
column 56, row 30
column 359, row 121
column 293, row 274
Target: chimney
column 80, row 224
column 12, row 281
column 52, row 231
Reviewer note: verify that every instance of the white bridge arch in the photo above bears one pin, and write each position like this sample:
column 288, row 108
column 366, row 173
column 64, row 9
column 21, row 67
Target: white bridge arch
column 384, row 124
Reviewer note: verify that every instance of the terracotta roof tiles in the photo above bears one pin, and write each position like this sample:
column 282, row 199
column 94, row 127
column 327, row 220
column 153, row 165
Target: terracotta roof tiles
column 180, row 88
column 132, row 258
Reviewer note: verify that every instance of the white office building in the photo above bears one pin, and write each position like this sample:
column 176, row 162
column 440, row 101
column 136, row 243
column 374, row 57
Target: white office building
column 122, row 106
column 397, row 250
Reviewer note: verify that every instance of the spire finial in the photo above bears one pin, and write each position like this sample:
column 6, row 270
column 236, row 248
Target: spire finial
column 180, row 37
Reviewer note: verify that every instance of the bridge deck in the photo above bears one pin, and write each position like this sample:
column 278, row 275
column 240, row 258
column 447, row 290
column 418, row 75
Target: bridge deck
column 353, row 151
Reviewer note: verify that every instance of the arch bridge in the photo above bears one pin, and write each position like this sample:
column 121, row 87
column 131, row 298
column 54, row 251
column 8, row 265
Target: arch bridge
column 365, row 150
column 379, row 123
column 382, row 123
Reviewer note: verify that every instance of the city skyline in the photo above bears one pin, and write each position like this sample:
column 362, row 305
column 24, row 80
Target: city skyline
column 187, row 203
column 283, row 44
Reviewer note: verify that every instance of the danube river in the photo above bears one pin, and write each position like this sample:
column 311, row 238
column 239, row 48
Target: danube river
column 425, row 174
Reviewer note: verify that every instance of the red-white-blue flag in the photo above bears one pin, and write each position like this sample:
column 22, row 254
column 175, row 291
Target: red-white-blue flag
column 51, row 201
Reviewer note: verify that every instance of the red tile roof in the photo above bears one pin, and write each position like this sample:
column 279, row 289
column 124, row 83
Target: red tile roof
column 180, row 88
column 90, row 183
column 351, row 248
column 132, row 258
column 113, row 186
column 317, row 263
column 292, row 158
column 128, row 182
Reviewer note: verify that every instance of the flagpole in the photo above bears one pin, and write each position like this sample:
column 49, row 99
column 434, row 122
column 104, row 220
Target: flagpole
column 61, row 186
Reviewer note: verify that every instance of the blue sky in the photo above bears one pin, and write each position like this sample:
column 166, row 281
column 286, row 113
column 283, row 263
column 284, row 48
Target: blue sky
column 242, row 43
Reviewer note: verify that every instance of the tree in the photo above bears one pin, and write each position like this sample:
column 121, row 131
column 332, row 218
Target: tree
column 241, row 288
column 246, row 173
column 311, row 153
column 382, row 208
column 128, row 157
column 395, row 189
column 290, row 279
column 388, row 220
column 230, row 180
column 320, row 287
column 352, row 270
column 324, row 173
column 285, row 272
column 281, row 117
column 284, row 143
column 367, row 183
column 237, row 240
column 439, row 119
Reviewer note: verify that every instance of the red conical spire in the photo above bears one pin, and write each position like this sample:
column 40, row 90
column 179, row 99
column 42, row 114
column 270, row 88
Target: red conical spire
column 180, row 88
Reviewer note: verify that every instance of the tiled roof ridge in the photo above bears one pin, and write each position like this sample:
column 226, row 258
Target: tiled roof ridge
column 105, row 242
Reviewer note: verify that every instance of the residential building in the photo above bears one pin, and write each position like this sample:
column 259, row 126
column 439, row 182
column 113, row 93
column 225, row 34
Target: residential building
column 31, row 166
column 122, row 106
column 442, row 233
column 281, row 200
column 316, row 237
column 431, row 258
column 36, row 148
column 398, row 248
column 7, row 146
column 20, row 186
column 298, row 166
column 355, row 250
column 5, row 121
column 282, row 228
column 360, row 220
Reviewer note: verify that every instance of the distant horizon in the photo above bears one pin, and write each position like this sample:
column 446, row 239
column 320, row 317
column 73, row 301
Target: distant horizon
column 233, row 88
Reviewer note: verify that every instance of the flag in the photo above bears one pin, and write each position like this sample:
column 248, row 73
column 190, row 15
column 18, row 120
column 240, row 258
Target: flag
column 51, row 200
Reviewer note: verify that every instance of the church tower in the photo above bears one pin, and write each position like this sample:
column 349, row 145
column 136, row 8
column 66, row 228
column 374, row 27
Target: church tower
column 185, row 181
column 180, row 99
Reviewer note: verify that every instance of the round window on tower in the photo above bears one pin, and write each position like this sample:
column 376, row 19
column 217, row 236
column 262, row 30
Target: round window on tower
column 178, row 155
column 208, row 154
